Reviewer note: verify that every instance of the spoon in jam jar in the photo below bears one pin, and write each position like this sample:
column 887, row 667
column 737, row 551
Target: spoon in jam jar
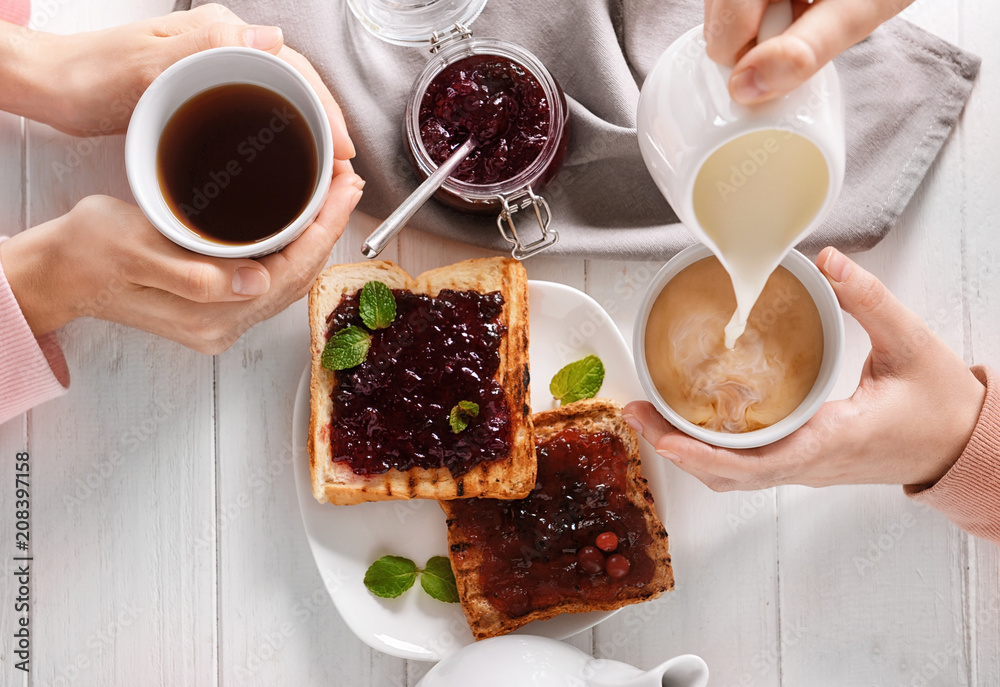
column 386, row 231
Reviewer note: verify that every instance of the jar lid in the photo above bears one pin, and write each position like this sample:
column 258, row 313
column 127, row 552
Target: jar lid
column 413, row 22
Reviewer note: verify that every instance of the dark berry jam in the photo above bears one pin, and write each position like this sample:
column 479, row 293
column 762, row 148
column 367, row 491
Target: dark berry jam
column 392, row 411
column 530, row 546
column 497, row 101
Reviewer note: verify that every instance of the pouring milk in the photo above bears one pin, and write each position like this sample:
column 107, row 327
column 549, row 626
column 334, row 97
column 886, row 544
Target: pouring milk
column 748, row 181
column 753, row 197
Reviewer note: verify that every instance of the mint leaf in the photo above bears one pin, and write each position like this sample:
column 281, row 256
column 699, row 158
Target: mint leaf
column 377, row 305
column 582, row 379
column 438, row 580
column 462, row 414
column 390, row 576
column 347, row 348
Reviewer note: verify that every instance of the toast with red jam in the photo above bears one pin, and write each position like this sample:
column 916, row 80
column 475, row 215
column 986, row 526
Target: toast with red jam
column 456, row 349
column 587, row 538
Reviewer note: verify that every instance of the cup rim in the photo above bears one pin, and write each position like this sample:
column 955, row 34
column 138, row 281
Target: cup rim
column 167, row 223
column 832, row 321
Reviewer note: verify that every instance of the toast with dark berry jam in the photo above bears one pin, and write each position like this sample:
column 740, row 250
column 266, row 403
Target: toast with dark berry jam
column 587, row 538
column 419, row 387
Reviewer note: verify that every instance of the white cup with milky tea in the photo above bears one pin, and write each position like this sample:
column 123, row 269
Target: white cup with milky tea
column 829, row 319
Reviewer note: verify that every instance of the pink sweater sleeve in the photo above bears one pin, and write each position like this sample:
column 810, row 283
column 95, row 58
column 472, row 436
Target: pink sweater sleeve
column 969, row 493
column 15, row 11
column 31, row 370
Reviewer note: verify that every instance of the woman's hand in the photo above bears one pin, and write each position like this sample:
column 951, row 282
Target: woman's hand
column 104, row 259
column 909, row 420
column 89, row 83
column 822, row 30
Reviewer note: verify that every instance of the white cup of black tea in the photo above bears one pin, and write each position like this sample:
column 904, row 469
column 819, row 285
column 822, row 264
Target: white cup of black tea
column 229, row 153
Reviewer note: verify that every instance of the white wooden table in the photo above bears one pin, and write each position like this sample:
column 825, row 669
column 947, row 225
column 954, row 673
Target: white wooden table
column 168, row 547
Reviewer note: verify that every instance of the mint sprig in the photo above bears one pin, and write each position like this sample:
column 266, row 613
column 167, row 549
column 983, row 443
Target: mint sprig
column 438, row 580
column 347, row 348
column 463, row 414
column 390, row 576
column 578, row 380
column 377, row 305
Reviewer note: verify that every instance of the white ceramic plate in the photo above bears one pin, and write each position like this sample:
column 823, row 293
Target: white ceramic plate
column 565, row 325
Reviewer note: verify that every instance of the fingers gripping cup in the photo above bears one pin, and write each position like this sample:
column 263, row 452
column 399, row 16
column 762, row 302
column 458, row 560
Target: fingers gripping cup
column 229, row 153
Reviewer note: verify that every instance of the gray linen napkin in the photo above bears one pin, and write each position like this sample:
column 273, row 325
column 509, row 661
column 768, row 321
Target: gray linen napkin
column 904, row 90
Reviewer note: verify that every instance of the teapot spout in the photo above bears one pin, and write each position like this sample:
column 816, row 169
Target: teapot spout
column 683, row 671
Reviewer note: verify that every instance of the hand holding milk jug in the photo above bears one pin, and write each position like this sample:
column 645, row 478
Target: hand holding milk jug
column 749, row 182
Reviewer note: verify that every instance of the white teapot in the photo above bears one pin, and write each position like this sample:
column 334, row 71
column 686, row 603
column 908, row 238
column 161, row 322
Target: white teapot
column 528, row 661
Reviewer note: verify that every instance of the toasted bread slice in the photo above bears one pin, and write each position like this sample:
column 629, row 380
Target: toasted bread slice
column 506, row 478
column 581, row 592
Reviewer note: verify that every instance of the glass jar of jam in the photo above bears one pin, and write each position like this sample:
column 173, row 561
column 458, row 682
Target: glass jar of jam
column 503, row 96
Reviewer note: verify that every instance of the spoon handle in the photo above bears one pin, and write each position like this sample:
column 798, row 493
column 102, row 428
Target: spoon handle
column 379, row 238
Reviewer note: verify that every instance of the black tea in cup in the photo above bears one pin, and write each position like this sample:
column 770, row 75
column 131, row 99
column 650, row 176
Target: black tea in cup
column 237, row 163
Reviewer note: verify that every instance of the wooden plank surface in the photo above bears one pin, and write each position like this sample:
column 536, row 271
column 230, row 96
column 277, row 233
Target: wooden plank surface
column 122, row 594
column 195, row 529
column 872, row 585
column 980, row 144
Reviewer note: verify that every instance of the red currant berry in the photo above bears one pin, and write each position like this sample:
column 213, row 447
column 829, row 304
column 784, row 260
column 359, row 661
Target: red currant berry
column 607, row 541
column 617, row 565
column 590, row 560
